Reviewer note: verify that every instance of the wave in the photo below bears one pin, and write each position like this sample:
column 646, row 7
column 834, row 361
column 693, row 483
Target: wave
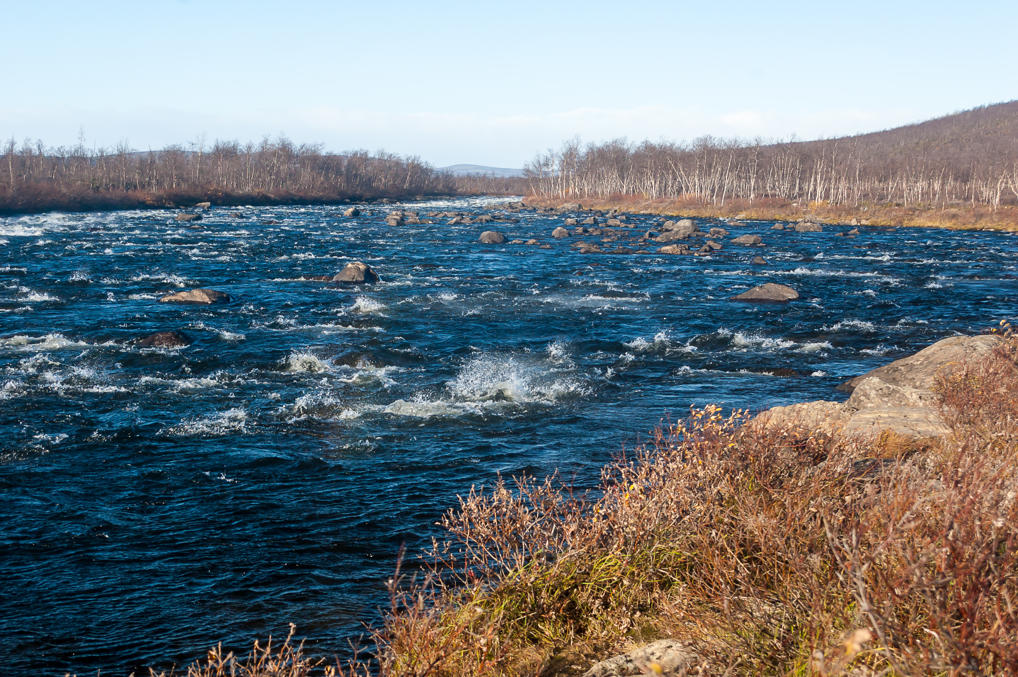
column 827, row 272
column 842, row 325
column 219, row 424
column 496, row 378
column 165, row 278
column 366, row 305
column 30, row 296
column 493, row 383
column 727, row 339
column 318, row 406
column 23, row 342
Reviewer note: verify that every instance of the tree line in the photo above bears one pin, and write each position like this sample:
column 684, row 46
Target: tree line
column 35, row 178
column 970, row 157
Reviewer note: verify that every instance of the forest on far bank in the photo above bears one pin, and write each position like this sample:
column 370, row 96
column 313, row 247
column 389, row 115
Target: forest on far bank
column 967, row 162
column 35, row 178
column 966, row 158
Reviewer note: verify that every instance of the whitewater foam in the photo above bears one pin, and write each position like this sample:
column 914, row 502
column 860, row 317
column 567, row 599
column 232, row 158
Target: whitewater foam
column 218, row 424
column 305, row 362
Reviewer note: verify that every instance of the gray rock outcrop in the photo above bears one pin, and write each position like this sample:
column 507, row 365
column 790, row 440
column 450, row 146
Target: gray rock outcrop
column 898, row 396
column 663, row 657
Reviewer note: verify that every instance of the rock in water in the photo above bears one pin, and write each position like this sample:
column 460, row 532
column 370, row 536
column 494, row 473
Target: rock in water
column 165, row 339
column 759, row 261
column 492, row 237
column 768, row 293
column 188, row 217
column 356, row 273
column 748, row 240
column 206, row 296
column 680, row 230
column 203, row 205
column 808, row 227
column 559, row 233
column 352, row 212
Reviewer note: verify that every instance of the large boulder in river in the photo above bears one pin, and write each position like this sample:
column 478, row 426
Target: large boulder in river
column 356, row 273
column 748, row 240
column 492, row 237
column 559, row 233
column 165, row 339
column 768, row 292
column 352, row 212
column 679, row 230
column 204, row 296
column 898, row 396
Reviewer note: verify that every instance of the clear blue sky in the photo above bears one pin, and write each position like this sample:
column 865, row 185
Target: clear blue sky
column 488, row 82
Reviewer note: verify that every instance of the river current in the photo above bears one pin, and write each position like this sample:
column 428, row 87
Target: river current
column 157, row 501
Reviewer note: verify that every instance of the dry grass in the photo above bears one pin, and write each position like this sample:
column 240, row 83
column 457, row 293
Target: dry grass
column 769, row 552
column 951, row 217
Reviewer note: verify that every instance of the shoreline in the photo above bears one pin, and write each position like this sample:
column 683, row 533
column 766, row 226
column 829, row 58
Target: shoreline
column 120, row 203
column 957, row 217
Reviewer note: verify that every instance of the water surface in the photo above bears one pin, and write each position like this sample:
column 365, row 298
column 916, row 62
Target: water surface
column 157, row 501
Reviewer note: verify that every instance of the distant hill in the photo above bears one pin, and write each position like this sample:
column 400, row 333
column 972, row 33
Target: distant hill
column 481, row 170
column 980, row 136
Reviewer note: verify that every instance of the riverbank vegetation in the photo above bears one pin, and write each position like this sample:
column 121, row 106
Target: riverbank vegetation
column 34, row 178
column 761, row 550
column 955, row 171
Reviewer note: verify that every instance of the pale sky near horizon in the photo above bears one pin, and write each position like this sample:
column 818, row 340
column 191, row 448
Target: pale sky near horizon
column 491, row 83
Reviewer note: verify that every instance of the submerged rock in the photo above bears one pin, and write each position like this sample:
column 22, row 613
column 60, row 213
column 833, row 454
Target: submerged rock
column 165, row 339
column 205, row 296
column 356, row 272
column 492, row 237
column 759, row 261
column 769, row 292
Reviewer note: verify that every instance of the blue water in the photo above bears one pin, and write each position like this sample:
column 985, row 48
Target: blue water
column 157, row 501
